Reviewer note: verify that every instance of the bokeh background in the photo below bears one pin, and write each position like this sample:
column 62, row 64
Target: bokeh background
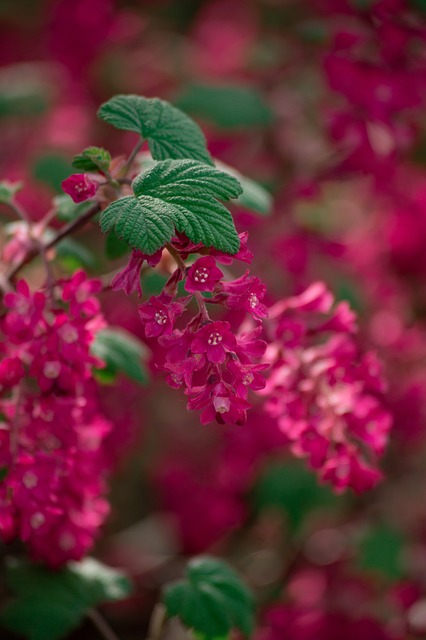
column 323, row 103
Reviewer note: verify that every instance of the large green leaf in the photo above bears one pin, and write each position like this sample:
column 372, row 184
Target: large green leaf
column 49, row 604
column 176, row 194
column 121, row 351
column 212, row 600
column 170, row 133
column 227, row 106
column 253, row 196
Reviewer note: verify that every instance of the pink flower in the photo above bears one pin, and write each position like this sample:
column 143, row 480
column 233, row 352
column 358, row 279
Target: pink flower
column 159, row 314
column 11, row 372
column 246, row 294
column 80, row 187
column 203, row 275
column 215, row 340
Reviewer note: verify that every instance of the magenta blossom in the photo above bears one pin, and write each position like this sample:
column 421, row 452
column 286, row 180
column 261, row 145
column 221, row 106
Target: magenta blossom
column 203, row 275
column 215, row 340
column 80, row 187
column 246, row 294
column 159, row 314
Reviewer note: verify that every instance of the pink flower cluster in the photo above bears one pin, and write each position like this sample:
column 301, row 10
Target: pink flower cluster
column 216, row 367
column 327, row 396
column 51, row 429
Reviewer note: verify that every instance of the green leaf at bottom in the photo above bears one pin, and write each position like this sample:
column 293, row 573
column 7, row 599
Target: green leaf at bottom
column 49, row 604
column 212, row 600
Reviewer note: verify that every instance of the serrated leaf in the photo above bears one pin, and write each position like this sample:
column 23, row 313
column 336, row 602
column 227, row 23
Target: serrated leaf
column 92, row 159
column 212, row 600
column 254, row 196
column 176, row 194
column 121, row 351
column 49, row 604
column 169, row 131
column 8, row 190
column 227, row 106
column 144, row 225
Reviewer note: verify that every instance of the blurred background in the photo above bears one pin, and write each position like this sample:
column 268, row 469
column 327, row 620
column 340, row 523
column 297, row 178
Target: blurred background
column 323, row 103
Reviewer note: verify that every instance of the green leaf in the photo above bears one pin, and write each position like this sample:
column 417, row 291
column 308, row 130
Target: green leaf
column 115, row 247
column 212, row 600
column 92, row 159
column 227, row 106
column 49, row 604
column 176, row 194
column 3, row 473
column 143, row 224
column 8, row 190
column 121, row 351
column 289, row 487
column 381, row 550
column 170, row 133
column 254, row 196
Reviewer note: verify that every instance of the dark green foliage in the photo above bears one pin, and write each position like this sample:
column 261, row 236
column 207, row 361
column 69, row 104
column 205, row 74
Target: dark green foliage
column 212, row 600
column 169, row 131
column 177, row 195
column 49, row 604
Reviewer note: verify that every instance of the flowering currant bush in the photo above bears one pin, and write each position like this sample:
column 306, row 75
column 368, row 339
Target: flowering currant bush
column 218, row 338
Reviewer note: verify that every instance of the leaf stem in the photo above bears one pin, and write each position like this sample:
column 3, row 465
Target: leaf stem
column 156, row 622
column 131, row 157
column 101, row 624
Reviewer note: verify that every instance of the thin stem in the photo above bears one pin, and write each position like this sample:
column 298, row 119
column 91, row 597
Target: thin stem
column 131, row 157
column 202, row 306
column 156, row 622
column 197, row 295
column 62, row 233
column 101, row 624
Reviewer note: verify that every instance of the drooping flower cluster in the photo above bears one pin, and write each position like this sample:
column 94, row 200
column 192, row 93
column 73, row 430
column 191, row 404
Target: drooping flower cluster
column 214, row 365
column 51, row 429
column 325, row 393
